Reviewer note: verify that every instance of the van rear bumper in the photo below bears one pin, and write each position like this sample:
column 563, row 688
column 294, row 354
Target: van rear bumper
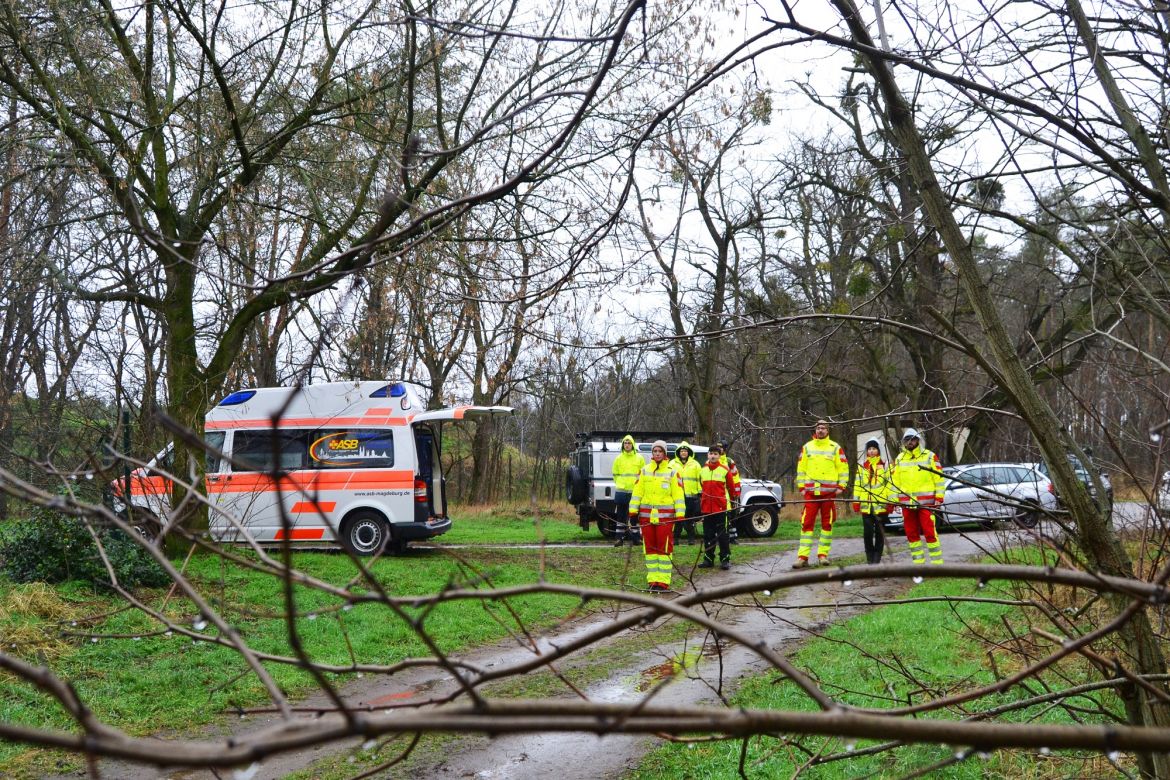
column 410, row 532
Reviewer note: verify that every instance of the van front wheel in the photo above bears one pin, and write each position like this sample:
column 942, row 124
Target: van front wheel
column 365, row 533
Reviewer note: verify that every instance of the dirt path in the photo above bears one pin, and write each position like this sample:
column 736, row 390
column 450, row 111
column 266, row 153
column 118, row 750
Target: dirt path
column 586, row 756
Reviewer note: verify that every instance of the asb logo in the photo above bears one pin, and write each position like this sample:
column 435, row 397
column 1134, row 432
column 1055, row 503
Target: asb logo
column 337, row 448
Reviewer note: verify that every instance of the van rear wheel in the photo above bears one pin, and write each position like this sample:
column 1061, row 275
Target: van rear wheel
column 146, row 523
column 365, row 533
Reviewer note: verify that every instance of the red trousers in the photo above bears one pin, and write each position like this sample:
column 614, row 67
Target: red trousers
column 825, row 507
column 918, row 521
column 658, row 538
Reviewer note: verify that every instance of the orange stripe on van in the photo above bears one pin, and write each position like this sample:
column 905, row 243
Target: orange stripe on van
column 315, row 507
column 309, row 481
column 373, row 418
column 302, row 533
column 143, row 486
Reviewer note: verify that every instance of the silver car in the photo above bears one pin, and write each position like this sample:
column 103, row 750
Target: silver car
column 982, row 493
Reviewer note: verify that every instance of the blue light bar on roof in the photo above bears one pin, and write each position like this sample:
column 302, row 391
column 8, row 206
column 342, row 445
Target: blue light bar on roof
column 237, row 397
column 396, row 390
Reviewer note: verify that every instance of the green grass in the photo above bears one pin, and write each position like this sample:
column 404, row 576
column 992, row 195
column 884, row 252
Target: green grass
column 951, row 660
column 584, row 669
column 557, row 524
column 170, row 683
column 516, row 525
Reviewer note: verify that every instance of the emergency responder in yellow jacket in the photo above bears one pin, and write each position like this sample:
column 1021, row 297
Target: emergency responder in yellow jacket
column 626, row 467
column 871, row 498
column 917, row 483
column 688, row 468
column 822, row 471
column 656, row 503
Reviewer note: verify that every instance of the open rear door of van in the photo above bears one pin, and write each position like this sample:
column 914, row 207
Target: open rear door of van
column 457, row 413
column 428, row 435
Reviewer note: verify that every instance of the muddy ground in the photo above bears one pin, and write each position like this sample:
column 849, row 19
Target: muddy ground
column 787, row 621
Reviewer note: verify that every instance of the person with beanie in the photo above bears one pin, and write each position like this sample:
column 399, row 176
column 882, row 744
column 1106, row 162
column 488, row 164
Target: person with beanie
column 688, row 468
column 871, row 494
column 822, row 471
column 626, row 467
column 657, row 502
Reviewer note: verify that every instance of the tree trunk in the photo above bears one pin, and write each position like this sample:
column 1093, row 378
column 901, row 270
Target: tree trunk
column 1103, row 549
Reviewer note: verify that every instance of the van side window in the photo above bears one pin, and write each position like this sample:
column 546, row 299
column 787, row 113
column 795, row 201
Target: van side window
column 352, row 448
column 213, row 439
column 255, row 449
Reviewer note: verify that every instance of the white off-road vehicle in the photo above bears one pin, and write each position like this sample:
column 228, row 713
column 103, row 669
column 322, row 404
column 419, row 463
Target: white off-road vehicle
column 589, row 482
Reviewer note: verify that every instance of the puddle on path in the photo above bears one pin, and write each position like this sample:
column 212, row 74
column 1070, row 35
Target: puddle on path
column 696, row 674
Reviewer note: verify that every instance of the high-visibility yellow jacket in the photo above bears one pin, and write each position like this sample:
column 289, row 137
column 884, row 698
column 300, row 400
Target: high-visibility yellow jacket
column 626, row 467
column 729, row 464
column 822, row 469
column 658, row 494
column 915, row 478
column 689, row 472
column 871, row 487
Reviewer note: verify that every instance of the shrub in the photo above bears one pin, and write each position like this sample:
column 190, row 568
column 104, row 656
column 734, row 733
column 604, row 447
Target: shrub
column 51, row 548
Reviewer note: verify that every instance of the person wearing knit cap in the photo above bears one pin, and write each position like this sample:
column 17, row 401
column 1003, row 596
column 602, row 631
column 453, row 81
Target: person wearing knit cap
column 822, row 471
column 871, row 496
column 655, row 505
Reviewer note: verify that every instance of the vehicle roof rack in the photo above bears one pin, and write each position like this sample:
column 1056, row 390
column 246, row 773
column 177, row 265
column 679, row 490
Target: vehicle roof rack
column 638, row 435
column 642, row 436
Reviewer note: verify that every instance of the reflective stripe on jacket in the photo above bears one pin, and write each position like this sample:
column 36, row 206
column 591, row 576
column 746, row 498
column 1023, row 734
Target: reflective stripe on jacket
column 658, row 494
column 689, row 472
column 627, row 466
column 872, row 487
column 913, row 477
column 729, row 464
column 822, row 468
column 717, row 487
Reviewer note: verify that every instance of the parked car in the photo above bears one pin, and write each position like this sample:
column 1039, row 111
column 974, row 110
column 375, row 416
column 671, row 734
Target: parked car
column 983, row 493
column 589, row 482
column 1085, row 479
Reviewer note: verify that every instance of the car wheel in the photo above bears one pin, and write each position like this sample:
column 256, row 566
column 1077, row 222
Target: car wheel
column 146, row 523
column 760, row 520
column 575, row 487
column 1028, row 517
column 365, row 533
column 607, row 526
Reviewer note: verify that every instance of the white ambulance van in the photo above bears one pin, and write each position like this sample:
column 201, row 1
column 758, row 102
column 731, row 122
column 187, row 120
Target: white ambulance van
column 353, row 462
